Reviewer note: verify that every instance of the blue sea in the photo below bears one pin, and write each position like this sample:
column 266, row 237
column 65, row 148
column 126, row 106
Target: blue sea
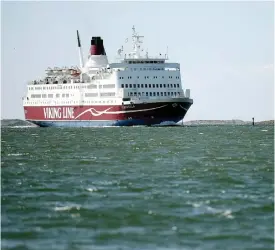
column 199, row 187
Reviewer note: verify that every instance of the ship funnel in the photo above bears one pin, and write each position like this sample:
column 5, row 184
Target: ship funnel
column 98, row 57
column 97, row 47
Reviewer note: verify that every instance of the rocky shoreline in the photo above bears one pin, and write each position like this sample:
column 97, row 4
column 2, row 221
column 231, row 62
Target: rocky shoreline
column 227, row 122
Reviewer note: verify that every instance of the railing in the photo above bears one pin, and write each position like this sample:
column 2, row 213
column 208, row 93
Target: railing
column 138, row 98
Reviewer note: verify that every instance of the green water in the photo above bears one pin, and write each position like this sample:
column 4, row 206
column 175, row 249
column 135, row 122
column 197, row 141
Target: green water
column 137, row 188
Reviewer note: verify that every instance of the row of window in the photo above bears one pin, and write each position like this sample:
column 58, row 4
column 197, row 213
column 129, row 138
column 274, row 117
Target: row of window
column 147, row 77
column 91, row 94
column 154, row 94
column 137, row 62
column 144, row 69
column 107, row 94
column 48, row 96
column 107, row 86
column 149, row 68
column 135, row 69
column 72, row 102
column 101, row 86
column 149, row 85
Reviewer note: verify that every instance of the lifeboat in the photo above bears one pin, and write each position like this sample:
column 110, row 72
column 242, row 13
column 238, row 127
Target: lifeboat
column 74, row 72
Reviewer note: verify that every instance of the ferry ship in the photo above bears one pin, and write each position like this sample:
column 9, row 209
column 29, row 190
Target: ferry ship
column 138, row 89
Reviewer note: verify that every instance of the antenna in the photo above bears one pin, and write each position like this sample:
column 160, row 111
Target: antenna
column 80, row 50
column 136, row 43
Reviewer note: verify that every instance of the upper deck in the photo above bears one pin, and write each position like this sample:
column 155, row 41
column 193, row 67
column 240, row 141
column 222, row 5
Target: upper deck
column 136, row 75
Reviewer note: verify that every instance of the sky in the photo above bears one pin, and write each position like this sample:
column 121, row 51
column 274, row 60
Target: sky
column 225, row 48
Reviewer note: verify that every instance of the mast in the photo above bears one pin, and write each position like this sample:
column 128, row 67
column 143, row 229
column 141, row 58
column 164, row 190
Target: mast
column 136, row 43
column 80, row 50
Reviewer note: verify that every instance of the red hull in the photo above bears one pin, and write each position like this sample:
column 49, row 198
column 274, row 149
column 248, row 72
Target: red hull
column 150, row 113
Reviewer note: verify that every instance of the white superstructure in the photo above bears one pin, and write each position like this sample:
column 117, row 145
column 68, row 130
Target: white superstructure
column 136, row 78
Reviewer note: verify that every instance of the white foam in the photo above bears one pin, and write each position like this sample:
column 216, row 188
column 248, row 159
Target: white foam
column 228, row 214
column 174, row 228
column 202, row 208
column 23, row 127
column 66, row 208
column 92, row 189
column 17, row 154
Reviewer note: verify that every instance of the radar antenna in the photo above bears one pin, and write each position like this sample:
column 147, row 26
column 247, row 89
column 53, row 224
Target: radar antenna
column 136, row 43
